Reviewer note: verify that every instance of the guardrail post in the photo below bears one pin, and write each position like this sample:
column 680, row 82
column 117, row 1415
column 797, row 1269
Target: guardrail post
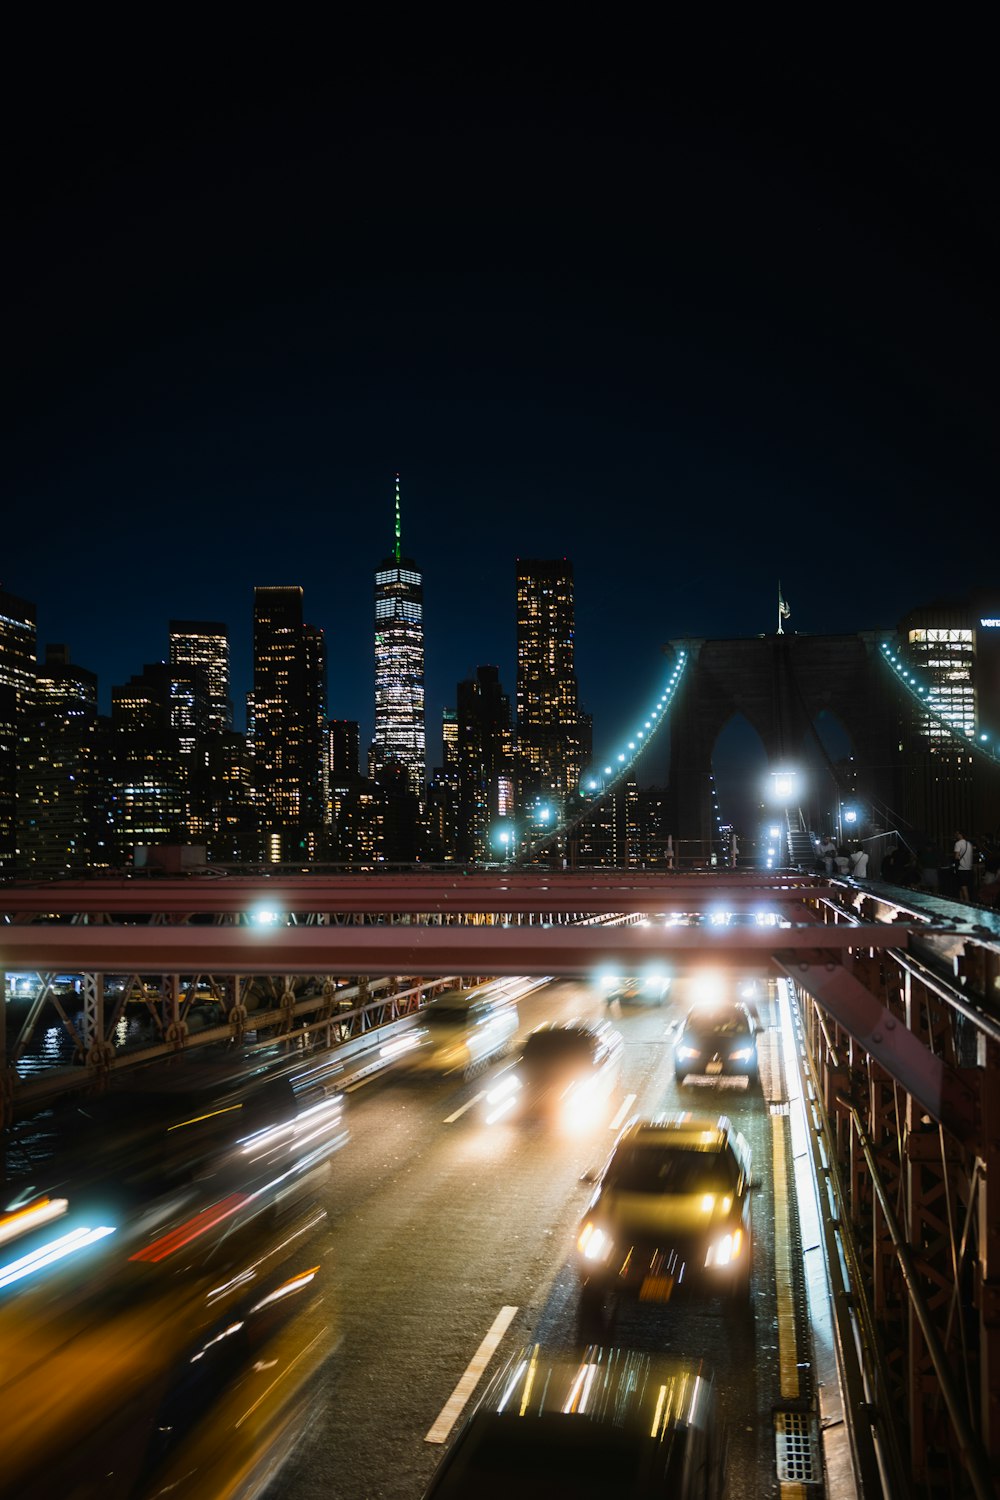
column 287, row 1005
column 987, row 1293
column 176, row 1027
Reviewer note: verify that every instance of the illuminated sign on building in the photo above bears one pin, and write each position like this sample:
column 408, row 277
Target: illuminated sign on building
column 990, row 624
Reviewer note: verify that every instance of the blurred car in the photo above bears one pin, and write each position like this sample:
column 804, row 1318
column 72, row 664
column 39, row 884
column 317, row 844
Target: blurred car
column 670, row 1215
column 164, row 1303
column 651, row 988
column 565, row 1076
column 717, row 1041
column 598, row 1423
column 461, row 1032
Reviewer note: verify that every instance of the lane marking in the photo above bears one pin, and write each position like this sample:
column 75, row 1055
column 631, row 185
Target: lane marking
column 452, row 1408
column 450, row 1119
column 788, row 1354
column 616, row 1123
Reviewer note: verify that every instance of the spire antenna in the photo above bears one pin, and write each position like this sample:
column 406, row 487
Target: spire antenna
column 399, row 529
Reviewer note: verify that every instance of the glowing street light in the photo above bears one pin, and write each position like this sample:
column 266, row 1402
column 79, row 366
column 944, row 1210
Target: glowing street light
column 265, row 916
column 784, row 786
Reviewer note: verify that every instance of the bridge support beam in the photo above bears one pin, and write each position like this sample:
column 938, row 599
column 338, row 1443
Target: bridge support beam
column 939, row 1089
column 917, row 1140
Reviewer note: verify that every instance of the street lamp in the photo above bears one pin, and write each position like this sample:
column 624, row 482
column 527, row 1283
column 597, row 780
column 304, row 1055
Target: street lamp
column 784, row 787
column 503, row 840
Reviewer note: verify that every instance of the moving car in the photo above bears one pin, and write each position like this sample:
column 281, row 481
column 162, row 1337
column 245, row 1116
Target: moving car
column 592, row 1424
column 565, row 1076
column 670, row 1216
column 636, row 989
column 462, row 1031
column 717, row 1041
column 165, row 1304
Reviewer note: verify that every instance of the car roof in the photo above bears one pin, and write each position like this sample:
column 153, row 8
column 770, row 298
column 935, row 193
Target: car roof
column 710, row 1013
column 699, row 1132
column 461, row 1000
column 572, row 1030
column 613, row 1385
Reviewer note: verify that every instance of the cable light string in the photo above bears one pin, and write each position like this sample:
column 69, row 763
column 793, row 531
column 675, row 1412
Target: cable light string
column 929, row 697
column 622, row 763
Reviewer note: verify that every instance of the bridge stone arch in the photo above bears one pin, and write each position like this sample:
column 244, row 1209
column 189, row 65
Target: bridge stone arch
column 739, row 761
column 779, row 683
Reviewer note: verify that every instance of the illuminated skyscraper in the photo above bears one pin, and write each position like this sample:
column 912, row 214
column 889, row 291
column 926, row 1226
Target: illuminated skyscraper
column 148, row 771
column 205, row 644
column 17, row 647
column 289, row 724
column 399, row 666
column 954, row 648
column 549, row 750
column 17, row 685
column 63, row 781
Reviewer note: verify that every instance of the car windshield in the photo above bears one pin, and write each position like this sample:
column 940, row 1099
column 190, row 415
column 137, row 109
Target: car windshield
column 443, row 1015
column 558, row 1046
column 559, row 1458
column 720, row 1025
column 670, row 1169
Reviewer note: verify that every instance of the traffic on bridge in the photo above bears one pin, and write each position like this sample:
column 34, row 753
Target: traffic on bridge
column 430, row 1085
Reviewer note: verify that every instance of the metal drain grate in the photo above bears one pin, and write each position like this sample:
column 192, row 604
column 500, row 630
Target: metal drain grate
column 796, row 1442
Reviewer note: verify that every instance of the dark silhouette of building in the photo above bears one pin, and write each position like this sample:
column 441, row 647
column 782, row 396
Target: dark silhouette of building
column 232, row 836
column 344, row 749
column 485, row 769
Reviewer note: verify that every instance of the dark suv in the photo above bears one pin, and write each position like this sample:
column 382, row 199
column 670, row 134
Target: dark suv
column 590, row 1424
column 717, row 1041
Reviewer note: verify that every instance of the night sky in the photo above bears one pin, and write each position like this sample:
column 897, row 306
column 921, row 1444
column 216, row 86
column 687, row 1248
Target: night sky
column 697, row 329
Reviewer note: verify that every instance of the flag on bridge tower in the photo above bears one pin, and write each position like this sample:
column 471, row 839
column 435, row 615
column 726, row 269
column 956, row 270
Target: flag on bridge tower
column 783, row 611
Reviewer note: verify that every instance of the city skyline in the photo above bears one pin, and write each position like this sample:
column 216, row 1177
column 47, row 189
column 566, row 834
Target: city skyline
column 240, row 682
column 697, row 335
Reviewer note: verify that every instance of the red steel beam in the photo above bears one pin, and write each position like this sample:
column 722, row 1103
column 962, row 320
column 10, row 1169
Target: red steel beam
column 435, row 893
column 430, row 950
column 938, row 1089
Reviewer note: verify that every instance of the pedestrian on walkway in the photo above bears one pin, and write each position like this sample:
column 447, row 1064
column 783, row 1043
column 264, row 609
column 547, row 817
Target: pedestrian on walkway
column 962, row 854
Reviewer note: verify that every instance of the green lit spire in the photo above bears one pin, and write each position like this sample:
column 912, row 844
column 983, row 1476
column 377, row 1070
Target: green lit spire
column 399, row 544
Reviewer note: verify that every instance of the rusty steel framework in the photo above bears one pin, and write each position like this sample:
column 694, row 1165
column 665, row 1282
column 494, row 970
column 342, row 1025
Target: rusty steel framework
column 899, row 996
column 919, row 1185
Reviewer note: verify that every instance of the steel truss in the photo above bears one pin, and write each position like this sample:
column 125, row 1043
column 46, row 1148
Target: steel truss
column 913, row 1133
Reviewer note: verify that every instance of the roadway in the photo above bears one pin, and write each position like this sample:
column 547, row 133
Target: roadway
column 444, row 1228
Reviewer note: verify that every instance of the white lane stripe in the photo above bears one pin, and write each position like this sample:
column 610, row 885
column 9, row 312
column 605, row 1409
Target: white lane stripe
column 452, row 1408
column 450, row 1120
column 620, row 1116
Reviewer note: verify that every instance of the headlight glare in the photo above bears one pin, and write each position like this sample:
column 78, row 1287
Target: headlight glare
column 725, row 1250
column 593, row 1243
